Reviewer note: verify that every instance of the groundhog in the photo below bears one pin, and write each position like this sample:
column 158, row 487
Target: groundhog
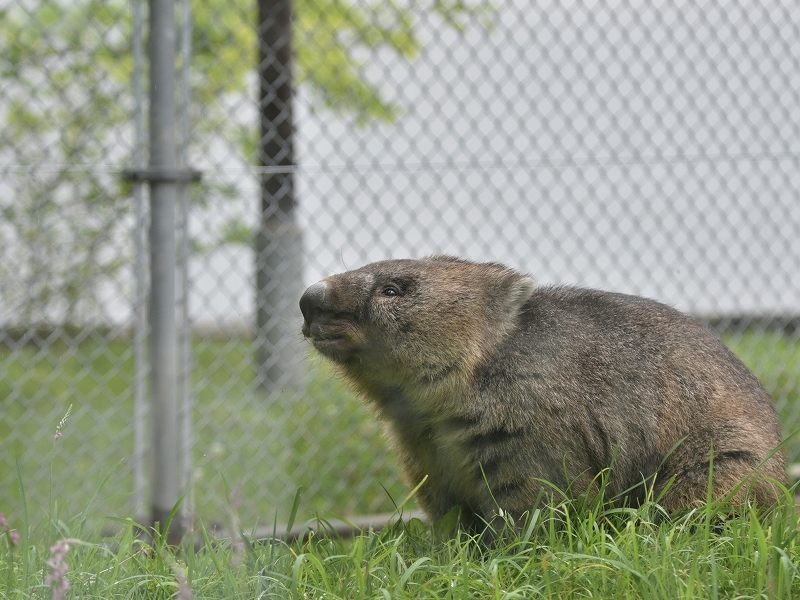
column 502, row 391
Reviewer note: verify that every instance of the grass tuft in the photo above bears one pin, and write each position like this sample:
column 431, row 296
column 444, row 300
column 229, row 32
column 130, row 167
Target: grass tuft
column 573, row 549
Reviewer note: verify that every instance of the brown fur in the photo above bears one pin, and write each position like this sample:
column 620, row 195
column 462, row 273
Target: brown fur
column 490, row 386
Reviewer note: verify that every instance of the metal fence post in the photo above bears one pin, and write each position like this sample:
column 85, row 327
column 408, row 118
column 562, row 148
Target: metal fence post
column 184, row 322
column 163, row 333
column 279, row 248
column 139, row 274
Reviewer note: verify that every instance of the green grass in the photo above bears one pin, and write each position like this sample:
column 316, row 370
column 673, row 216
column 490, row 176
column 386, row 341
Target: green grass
column 573, row 550
column 321, row 440
column 775, row 358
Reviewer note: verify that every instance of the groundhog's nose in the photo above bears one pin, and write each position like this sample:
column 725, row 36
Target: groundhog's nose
column 313, row 298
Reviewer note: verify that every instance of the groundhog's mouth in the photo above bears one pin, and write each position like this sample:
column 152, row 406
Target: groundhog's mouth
column 319, row 331
column 329, row 339
column 333, row 346
column 318, row 334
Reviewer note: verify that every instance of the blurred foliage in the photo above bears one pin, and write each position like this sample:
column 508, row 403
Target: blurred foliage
column 64, row 74
column 66, row 106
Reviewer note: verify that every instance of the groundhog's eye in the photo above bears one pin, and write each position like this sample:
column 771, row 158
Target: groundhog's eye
column 390, row 291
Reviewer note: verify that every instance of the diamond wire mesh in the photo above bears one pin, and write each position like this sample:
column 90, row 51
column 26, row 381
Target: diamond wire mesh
column 643, row 147
column 65, row 125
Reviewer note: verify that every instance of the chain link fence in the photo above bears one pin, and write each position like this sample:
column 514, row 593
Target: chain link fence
column 644, row 147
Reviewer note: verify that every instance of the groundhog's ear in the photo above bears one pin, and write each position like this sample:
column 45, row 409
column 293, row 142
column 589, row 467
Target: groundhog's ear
column 518, row 294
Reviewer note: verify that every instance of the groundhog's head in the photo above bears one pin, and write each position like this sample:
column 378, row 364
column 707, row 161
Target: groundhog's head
column 399, row 320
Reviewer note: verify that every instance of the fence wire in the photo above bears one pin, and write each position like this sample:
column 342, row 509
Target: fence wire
column 642, row 147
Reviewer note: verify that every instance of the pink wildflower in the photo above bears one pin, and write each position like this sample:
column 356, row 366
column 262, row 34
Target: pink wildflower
column 57, row 577
column 13, row 536
column 184, row 591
